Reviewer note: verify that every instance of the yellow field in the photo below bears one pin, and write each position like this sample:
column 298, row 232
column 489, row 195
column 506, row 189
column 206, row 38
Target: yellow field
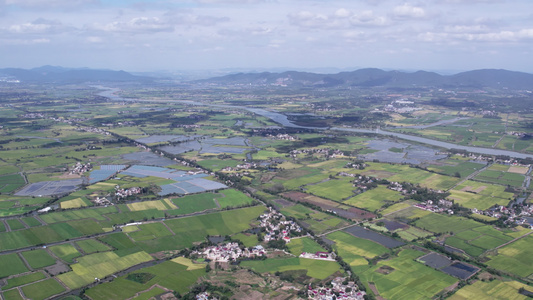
column 289, row 165
column 169, row 203
column 74, row 203
column 131, row 228
column 187, row 262
column 156, row 204
column 490, row 290
column 395, row 207
column 517, row 169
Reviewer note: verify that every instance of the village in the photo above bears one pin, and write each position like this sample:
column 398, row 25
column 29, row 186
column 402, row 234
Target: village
column 340, row 288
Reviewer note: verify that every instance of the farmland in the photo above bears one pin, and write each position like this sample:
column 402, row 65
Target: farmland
column 92, row 187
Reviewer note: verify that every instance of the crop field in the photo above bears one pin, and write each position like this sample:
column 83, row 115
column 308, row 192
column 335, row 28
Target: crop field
column 11, row 264
column 481, row 290
column 305, row 244
column 170, row 274
column 42, row 289
column 100, row 265
column 478, row 190
column 74, row 203
column 319, row 269
column 248, row 239
column 409, row 279
column 146, row 205
column 514, row 257
column 66, row 252
column 15, row 224
column 451, row 167
column 92, row 213
column 352, row 248
column 337, row 189
column 9, row 183
column 374, row 199
column 38, row 258
column 442, row 223
column 92, row 246
column 150, row 231
column 501, row 177
column 31, row 221
column 234, row 198
column 22, row 280
column 194, row 203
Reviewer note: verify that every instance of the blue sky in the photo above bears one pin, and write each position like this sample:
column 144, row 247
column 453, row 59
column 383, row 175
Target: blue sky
column 300, row 34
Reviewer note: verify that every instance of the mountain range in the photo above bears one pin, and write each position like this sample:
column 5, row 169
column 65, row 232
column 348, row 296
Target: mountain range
column 491, row 78
column 52, row 74
column 370, row 77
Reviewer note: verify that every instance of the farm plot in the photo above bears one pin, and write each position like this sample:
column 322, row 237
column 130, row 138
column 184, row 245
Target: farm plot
column 234, row 198
column 194, row 203
column 319, row 269
column 355, row 251
column 452, row 167
column 42, row 289
column 364, row 233
column 48, row 188
column 174, row 275
column 305, row 244
column 100, row 265
column 11, row 264
column 22, row 280
column 457, row 269
column 501, row 177
column 10, row 183
column 336, row 189
column 374, row 199
column 38, row 258
column 105, row 172
column 514, row 258
column 91, row 213
column 92, row 246
column 149, row 232
column 66, row 252
column 15, row 224
column 406, row 278
column 481, row 290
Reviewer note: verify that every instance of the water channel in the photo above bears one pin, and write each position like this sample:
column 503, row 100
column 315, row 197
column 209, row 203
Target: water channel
column 284, row 121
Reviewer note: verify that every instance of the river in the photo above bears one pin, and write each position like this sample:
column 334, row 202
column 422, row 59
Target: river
column 284, row 121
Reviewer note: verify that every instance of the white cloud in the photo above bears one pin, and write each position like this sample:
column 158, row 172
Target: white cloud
column 368, row 18
column 39, row 26
column 408, row 11
column 138, row 25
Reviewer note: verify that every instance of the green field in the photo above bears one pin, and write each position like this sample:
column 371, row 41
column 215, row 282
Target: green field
column 24, row 279
column 15, row 224
column 515, row 257
column 450, row 167
column 234, row 198
column 355, row 251
column 38, row 258
column 11, row 264
column 100, row 265
column 118, row 240
column 42, row 289
column 305, row 244
column 169, row 274
column 409, row 279
column 31, row 221
column 249, row 240
column 149, row 232
column 66, row 252
column 335, row 189
column 194, row 203
column 318, row 269
column 92, row 246
column 374, row 199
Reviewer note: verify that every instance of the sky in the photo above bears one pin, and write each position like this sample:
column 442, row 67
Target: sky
column 152, row 35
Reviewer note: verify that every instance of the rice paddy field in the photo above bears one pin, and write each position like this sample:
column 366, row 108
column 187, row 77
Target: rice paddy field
column 174, row 275
column 408, row 279
column 501, row 290
column 318, row 269
column 38, row 258
column 356, row 251
column 514, row 258
column 374, row 199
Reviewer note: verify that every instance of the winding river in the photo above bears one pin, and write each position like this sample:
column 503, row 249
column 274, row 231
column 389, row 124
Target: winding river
column 284, row 121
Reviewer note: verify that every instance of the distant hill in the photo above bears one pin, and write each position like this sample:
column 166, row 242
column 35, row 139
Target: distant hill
column 376, row 77
column 52, row 74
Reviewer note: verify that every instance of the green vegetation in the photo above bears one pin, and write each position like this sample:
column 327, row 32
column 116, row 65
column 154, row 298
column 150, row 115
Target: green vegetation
column 11, row 264
column 305, row 244
column 22, row 280
column 42, row 289
column 66, row 252
column 318, row 269
column 38, row 258
column 92, row 246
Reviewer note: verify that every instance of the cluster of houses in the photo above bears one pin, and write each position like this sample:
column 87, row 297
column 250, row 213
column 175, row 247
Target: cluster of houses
column 230, row 252
column 123, row 193
column 364, row 183
column 284, row 137
column 356, row 165
column 277, row 227
column 400, row 187
column 80, row 168
column 245, row 166
column 101, row 201
column 340, row 288
column 401, row 106
column 439, row 207
column 518, row 214
column 93, row 130
column 32, row 116
column 320, row 255
column 327, row 152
